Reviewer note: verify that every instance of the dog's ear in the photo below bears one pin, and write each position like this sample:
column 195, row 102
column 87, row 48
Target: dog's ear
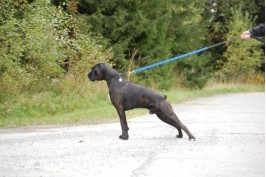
column 102, row 67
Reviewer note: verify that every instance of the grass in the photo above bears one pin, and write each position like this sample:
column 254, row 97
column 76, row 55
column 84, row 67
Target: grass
column 77, row 109
column 181, row 95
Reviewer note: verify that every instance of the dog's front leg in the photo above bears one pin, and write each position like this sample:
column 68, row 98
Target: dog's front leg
column 123, row 122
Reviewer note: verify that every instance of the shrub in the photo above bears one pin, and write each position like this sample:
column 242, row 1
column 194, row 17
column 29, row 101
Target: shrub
column 44, row 60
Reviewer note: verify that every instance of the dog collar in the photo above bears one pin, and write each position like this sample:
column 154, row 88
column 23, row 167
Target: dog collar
column 120, row 79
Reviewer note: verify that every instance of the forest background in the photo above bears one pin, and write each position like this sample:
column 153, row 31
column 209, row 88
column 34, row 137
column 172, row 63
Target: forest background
column 48, row 46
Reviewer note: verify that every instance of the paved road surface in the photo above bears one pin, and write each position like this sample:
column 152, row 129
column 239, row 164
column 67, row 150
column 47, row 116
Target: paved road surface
column 230, row 132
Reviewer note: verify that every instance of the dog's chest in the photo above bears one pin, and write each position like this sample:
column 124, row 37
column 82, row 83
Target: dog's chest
column 117, row 88
column 123, row 92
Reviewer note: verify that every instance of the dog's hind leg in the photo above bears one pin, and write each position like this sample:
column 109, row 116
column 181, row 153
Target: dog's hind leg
column 166, row 114
column 180, row 134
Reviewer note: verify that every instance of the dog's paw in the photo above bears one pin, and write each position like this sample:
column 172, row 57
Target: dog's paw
column 179, row 136
column 123, row 137
column 151, row 112
column 192, row 138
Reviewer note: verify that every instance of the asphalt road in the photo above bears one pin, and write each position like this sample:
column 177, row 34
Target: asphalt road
column 230, row 142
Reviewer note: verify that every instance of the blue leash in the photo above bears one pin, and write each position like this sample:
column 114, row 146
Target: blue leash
column 180, row 57
column 175, row 58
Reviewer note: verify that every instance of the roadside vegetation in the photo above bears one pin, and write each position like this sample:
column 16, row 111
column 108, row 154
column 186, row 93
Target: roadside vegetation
column 47, row 48
column 95, row 107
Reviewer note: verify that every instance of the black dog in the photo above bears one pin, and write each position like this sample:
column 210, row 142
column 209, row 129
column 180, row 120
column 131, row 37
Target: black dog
column 125, row 96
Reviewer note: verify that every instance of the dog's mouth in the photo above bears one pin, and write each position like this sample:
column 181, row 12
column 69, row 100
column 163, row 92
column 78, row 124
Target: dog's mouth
column 92, row 75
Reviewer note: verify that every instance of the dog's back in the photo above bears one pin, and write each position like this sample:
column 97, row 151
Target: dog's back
column 135, row 96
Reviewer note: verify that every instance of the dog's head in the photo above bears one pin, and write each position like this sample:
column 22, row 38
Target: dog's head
column 97, row 73
column 101, row 72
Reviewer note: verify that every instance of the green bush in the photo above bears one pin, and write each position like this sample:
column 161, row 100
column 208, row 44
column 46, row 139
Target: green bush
column 44, row 60
column 43, row 46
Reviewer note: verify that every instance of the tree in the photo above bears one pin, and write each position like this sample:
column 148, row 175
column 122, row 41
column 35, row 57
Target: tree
column 219, row 13
column 146, row 32
column 188, row 34
column 242, row 58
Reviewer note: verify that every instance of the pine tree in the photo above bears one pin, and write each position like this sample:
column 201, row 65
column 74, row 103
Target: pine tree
column 146, row 32
column 188, row 34
column 219, row 14
column 243, row 58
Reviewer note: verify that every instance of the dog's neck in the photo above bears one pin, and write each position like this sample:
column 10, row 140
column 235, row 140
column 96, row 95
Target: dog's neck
column 111, row 75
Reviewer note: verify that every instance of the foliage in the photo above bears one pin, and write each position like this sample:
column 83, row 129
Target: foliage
column 129, row 26
column 189, row 33
column 96, row 108
column 155, row 29
column 243, row 58
column 48, row 46
column 43, row 63
column 42, row 46
column 194, row 72
column 220, row 15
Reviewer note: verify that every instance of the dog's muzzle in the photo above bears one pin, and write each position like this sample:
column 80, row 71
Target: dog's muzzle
column 92, row 76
